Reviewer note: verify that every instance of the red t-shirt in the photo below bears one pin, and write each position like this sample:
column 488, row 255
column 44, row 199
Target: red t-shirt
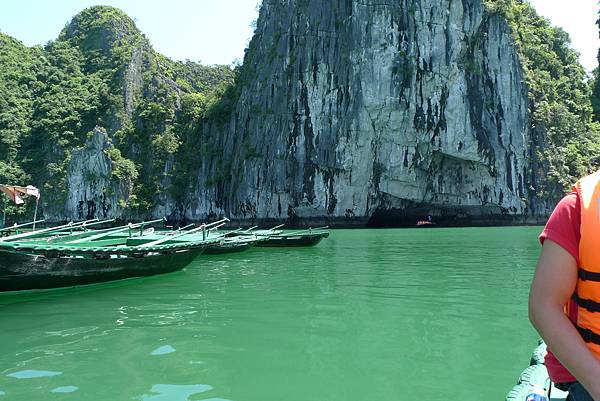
column 563, row 227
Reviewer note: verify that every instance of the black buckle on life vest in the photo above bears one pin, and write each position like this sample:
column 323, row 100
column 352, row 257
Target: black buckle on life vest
column 588, row 335
column 588, row 304
column 587, row 275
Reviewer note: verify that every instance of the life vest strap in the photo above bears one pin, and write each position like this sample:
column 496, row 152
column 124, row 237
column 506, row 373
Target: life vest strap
column 588, row 335
column 591, row 306
column 586, row 275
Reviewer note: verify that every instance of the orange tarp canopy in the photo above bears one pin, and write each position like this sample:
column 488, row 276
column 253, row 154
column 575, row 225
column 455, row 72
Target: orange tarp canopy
column 15, row 192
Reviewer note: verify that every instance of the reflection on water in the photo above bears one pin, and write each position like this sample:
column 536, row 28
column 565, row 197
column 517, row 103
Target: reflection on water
column 32, row 374
column 174, row 392
column 165, row 349
column 65, row 389
column 367, row 314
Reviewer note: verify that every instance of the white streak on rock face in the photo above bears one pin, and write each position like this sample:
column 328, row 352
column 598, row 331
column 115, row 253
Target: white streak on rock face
column 350, row 106
column 92, row 191
column 133, row 84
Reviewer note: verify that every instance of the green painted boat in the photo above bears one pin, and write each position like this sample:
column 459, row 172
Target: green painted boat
column 232, row 245
column 298, row 239
column 73, row 254
column 275, row 237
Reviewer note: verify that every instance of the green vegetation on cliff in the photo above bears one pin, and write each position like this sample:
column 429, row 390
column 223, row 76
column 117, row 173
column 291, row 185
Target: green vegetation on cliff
column 19, row 87
column 595, row 84
column 101, row 71
column 565, row 141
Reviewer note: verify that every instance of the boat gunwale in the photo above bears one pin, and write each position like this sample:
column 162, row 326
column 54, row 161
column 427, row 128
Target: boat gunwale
column 42, row 249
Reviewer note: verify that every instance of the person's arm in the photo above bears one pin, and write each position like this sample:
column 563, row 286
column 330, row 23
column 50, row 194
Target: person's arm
column 553, row 285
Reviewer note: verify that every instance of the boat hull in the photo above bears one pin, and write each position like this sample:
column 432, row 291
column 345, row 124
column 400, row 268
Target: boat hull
column 292, row 240
column 22, row 271
column 227, row 248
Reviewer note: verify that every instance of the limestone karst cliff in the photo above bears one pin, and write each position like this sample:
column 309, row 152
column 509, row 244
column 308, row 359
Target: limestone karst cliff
column 384, row 110
column 346, row 112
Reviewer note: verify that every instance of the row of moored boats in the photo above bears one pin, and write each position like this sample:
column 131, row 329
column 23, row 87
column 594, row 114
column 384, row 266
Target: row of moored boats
column 81, row 253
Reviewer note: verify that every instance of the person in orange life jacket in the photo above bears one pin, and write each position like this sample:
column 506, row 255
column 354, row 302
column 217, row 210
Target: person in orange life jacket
column 564, row 301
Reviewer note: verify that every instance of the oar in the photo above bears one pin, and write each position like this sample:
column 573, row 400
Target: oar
column 21, row 225
column 44, row 231
column 109, row 231
column 224, row 234
column 171, row 237
column 185, row 228
column 218, row 222
column 217, row 227
column 307, row 229
column 86, row 224
column 266, row 232
column 80, row 234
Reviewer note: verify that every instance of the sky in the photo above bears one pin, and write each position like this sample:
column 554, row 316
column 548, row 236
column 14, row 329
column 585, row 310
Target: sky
column 218, row 31
column 578, row 19
column 208, row 31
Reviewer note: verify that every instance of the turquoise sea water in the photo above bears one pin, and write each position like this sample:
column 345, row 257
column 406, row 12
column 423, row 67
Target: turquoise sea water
column 429, row 314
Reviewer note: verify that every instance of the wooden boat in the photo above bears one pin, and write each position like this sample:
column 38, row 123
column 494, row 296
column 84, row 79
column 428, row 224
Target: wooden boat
column 279, row 238
column 231, row 245
column 293, row 240
column 70, row 255
column 227, row 241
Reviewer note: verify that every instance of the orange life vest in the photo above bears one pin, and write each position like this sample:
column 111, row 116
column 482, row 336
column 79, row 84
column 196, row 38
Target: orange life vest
column 587, row 294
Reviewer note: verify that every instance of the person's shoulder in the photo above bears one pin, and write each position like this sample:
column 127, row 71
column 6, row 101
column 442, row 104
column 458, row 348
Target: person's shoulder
column 570, row 202
column 564, row 223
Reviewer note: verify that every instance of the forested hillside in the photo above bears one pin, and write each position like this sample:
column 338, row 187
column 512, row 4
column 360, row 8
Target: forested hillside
column 101, row 72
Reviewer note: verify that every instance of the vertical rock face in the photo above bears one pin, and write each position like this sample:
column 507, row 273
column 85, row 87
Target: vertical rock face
column 374, row 109
column 92, row 191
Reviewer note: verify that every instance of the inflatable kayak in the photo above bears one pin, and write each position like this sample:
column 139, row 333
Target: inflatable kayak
column 536, row 375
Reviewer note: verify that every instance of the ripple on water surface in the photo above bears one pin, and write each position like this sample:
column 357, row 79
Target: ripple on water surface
column 33, row 374
column 64, row 389
column 174, row 392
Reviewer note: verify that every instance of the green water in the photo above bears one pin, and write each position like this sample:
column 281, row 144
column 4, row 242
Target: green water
column 428, row 314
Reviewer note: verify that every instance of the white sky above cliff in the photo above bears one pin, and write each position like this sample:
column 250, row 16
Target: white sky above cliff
column 217, row 31
column 210, row 31
column 578, row 18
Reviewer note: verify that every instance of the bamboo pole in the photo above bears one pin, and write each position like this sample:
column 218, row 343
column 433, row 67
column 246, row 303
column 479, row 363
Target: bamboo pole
column 44, row 231
column 203, row 227
column 37, row 202
column 109, row 231
column 20, row 225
